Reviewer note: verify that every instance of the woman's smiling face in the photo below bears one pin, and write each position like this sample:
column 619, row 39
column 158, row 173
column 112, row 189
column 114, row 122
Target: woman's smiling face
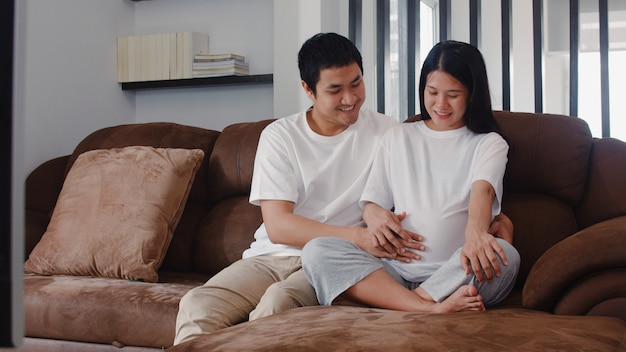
column 445, row 99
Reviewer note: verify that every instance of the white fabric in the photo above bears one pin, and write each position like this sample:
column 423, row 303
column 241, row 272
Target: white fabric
column 428, row 174
column 323, row 176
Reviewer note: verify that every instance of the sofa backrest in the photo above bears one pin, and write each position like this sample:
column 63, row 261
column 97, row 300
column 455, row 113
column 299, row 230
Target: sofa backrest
column 558, row 180
column 545, row 179
column 549, row 154
column 227, row 229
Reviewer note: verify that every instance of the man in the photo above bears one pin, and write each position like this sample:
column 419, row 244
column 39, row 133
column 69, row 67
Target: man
column 309, row 173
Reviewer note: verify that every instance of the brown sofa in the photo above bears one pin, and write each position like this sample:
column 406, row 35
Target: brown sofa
column 564, row 191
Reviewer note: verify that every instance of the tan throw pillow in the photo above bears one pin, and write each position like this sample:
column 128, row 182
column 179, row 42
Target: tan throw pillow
column 116, row 213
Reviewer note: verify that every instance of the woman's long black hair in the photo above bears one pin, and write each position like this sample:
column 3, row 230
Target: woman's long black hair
column 465, row 63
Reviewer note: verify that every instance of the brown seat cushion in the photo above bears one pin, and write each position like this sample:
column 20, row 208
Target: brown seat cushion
column 105, row 311
column 342, row 328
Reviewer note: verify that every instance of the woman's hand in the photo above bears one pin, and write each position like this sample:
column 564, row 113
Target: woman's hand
column 480, row 255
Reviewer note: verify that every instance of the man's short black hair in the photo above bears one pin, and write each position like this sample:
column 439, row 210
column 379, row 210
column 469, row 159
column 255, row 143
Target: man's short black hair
column 326, row 50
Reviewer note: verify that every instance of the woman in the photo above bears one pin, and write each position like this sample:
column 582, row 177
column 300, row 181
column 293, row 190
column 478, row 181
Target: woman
column 445, row 172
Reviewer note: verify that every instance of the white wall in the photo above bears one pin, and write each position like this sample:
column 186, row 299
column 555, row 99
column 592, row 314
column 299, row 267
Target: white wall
column 242, row 27
column 65, row 66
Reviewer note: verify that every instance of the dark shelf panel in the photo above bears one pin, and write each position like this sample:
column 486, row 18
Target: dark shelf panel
column 195, row 82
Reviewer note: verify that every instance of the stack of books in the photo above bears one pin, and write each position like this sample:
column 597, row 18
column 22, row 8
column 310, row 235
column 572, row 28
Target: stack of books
column 216, row 65
column 154, row 57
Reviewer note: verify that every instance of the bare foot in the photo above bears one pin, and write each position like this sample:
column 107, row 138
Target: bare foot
column 465, row 298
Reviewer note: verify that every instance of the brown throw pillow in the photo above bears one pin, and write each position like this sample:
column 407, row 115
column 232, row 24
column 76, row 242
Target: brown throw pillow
column 116, row 213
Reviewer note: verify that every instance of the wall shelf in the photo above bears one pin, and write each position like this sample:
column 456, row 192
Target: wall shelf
column 197, row 82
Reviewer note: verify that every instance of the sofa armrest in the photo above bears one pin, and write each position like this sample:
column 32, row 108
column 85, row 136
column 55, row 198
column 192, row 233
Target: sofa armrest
column 42, row 189
column 577, row 264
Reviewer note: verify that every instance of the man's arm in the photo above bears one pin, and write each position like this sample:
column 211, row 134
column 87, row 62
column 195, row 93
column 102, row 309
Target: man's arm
column 285, row 227
column 387, row 231
column 502, row 227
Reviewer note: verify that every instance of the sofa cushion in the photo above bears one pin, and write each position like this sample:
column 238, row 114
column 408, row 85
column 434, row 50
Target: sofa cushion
column 228, row 229
column 549, row 154
column 116, row 213
column 232, row 159
column 106, row 311
column 342, row 328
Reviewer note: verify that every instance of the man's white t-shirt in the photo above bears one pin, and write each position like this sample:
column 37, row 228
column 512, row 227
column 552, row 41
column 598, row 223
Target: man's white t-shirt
column 428, row 174
column 323, row 176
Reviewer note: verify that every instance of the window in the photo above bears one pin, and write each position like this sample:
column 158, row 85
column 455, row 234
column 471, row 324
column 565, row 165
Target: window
column 592, row 96
column 591, row 91
column 403, row 31
column 405, row 20
column 529, row 61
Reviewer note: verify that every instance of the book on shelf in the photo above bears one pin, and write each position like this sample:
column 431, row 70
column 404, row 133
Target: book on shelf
column 219, row 57
column 159, row 56
column 221, row 71
column 216, row 65
column 221, row 63
column 218, row 74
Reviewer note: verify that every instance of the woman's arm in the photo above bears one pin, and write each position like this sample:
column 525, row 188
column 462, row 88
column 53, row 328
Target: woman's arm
column 481, row 250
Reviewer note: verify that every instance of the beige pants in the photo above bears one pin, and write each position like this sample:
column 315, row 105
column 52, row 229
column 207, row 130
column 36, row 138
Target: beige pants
column 248, row 289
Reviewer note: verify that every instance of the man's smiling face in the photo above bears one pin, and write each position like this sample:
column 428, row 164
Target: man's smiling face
column 340, row 95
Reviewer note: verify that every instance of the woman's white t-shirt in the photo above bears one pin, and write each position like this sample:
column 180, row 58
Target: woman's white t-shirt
column 428, row 174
